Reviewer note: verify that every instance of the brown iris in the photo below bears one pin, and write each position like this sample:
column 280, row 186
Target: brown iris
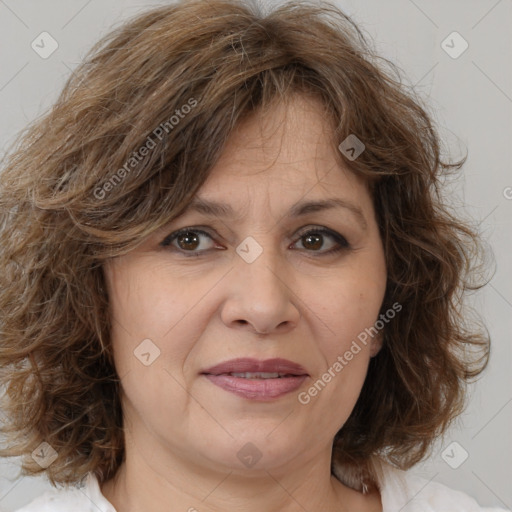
column 188, row 240
column 313, row 241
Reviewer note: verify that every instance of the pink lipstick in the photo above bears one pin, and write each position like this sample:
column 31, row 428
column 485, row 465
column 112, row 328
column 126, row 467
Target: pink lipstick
column 255, row 379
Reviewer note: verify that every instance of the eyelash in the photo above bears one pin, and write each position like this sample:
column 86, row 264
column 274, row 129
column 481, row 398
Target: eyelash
column 343, row 245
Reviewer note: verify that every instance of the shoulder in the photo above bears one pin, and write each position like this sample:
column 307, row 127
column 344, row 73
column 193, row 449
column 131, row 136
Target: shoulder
column 401, row 490
column 80, row 498
column 56, row 501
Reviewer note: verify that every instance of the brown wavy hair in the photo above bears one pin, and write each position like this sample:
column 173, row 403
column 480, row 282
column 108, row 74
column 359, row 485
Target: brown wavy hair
column 181, row 77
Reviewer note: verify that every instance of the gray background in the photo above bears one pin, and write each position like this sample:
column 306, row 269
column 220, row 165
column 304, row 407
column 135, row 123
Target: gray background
column 471, row 100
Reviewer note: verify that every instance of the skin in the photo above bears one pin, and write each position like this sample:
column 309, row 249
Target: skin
column 294, row 301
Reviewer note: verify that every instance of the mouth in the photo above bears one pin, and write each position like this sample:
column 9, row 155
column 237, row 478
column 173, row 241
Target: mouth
column 257, row 380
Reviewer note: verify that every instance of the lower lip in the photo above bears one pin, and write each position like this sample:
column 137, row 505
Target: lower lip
column 257, row 389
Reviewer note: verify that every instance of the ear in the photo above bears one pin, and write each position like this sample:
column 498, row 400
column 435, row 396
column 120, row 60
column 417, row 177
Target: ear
column 376, row 343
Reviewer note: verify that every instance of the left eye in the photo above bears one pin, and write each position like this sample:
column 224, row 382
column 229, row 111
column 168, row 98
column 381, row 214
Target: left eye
column 188, row 240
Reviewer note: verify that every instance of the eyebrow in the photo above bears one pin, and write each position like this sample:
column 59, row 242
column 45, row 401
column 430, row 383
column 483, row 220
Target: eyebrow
column 221, row 210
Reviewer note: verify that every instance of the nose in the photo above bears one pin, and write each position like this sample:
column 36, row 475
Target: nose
column 260, row 296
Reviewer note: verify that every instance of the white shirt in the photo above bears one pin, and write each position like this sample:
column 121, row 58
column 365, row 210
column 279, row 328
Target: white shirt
column 401, row 491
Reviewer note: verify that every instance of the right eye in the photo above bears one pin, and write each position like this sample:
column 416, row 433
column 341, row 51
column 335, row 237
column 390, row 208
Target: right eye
column 186, row 241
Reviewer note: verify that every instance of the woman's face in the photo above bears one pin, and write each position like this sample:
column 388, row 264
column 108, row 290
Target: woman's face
column 249, row 282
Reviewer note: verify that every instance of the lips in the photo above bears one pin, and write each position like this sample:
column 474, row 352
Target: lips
column 257, row 380
column 283, row 367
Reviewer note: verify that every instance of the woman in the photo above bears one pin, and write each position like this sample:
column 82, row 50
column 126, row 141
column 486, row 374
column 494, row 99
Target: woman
column 228, row 279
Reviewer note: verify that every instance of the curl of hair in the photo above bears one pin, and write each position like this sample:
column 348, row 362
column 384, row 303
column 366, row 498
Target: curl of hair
column 66, row 207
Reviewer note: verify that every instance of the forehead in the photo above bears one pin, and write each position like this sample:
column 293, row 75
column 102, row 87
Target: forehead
column 282, row 155
column 288, row 132
column 282, row 165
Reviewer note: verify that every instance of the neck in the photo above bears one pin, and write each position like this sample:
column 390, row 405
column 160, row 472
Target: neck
column 141, row 486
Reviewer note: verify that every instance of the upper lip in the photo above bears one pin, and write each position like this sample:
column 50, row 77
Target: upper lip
column 247, row 364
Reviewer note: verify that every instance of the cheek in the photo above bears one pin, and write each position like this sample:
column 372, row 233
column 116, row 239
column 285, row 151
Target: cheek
column 345, row 347
column 349, row 304
column 152, row 337
column 348, row 307
column 155, row 321
column 144, row 304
